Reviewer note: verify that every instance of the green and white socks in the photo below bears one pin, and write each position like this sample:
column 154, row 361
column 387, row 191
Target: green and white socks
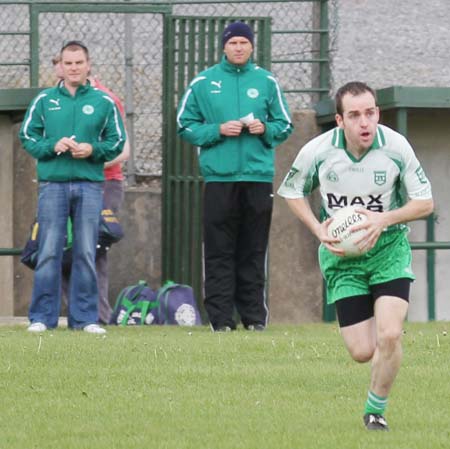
column 375, row 404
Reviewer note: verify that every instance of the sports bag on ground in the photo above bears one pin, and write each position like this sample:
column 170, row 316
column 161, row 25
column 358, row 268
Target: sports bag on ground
column 176, row 305
column 134, row 305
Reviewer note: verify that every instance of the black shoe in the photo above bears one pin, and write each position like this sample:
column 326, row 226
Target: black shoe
column 373, row 421
column 255, row 327
column 223, row 329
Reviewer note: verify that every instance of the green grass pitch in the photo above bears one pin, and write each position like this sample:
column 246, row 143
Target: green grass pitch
column 290, row 387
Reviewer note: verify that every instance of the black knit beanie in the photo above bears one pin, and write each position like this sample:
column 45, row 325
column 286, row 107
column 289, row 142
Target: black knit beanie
column 239, row 29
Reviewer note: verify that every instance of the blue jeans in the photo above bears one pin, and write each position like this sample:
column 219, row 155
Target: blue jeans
column 112, row 199
column 82, row 201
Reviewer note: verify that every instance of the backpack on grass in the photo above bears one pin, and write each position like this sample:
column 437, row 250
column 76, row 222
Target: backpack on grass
column 176, row 305
column 135, row 305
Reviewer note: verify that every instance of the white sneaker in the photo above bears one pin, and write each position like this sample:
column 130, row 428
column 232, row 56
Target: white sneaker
column 37, row 327
column 94, row 329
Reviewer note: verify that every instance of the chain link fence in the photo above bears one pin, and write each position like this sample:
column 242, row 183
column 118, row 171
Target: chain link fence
column 127, row 56
column 289, row 41
column 14, row 46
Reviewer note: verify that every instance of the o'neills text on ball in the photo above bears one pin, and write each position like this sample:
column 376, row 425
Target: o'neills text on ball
column 351, row 220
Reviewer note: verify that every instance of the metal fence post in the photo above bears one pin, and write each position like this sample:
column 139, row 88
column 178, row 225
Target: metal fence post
column 129, row 102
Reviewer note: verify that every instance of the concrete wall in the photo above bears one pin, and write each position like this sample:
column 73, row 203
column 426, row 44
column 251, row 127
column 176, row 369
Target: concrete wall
column 390, row 43
column 138, row 255
column 25, row 195
column 6, row 215
column 295, row 293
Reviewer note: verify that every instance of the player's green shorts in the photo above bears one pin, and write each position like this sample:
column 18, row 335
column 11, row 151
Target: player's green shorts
column 351, row 276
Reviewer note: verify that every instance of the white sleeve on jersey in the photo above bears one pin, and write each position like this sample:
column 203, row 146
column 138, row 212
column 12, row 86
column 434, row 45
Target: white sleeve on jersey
column 302, row 178
column 413, row 177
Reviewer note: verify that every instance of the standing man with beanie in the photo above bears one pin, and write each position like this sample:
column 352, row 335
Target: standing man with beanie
column 72, row 130
column 236, row 113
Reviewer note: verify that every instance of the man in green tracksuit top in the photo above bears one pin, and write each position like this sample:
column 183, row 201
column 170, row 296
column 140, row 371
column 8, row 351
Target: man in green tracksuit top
column 236, row 113
column 72, row 130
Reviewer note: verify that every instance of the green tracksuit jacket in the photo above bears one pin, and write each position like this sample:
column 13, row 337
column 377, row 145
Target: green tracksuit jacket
column 227, row 92
column 90, row 116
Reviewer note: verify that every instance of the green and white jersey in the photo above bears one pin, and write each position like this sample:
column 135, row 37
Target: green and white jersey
column 385, row 178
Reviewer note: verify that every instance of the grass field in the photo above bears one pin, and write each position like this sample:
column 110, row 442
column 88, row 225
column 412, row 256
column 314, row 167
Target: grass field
column 167, row 387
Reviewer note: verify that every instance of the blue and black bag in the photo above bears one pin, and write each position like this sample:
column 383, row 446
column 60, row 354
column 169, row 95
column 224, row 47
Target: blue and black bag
column 29, row 255
column 135, row 305
column 176, row 305
column 110, row 231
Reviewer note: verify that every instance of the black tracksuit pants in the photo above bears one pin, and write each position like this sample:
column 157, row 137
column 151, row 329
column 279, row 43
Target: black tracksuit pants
column 237, row 218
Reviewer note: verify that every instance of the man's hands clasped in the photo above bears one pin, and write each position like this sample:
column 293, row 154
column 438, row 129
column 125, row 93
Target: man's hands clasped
column 78, row 150
column 233, row 128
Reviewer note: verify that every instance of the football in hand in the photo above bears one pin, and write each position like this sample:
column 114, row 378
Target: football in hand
column 344, row 220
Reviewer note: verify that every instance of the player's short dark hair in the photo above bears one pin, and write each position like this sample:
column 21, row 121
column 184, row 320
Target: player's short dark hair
column 354, row 88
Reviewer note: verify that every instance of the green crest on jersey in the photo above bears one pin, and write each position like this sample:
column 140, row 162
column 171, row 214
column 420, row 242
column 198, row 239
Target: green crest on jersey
column 292, row 172
column 421, row 175
column 332, row 176
column 379, row 177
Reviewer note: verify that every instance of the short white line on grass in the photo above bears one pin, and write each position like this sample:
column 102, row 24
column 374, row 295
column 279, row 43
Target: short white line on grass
column 40, row 343
column 437, row 341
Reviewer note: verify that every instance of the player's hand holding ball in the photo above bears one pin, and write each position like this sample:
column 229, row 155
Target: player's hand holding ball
column 342, row 227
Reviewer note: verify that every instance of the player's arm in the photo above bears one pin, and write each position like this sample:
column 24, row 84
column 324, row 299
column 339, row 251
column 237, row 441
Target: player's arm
column 419, row 205
column 378, row 221
column 302, row 209
column 412, row 210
